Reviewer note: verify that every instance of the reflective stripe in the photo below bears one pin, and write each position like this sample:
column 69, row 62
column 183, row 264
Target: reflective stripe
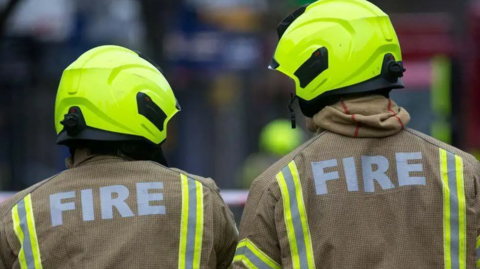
column 296, row 221
column 191, row 231
column 24, row 227
column 454, row 211
column 250, row 255
column 478, row 251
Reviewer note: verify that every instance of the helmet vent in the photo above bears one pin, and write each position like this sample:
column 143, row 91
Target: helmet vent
column 150, row 110
column 313, row 67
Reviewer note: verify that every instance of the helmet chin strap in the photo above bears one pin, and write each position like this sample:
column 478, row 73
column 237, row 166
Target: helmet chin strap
column 292, row 111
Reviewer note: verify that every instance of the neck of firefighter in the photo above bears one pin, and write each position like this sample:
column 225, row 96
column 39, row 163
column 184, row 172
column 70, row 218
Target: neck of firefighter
column 370, row 116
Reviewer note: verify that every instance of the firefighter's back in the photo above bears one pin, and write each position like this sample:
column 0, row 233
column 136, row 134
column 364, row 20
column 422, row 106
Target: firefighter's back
column 111, row 213
column 365, row 193
column 402, row 201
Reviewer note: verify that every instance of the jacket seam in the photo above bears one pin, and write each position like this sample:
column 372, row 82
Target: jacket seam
column 309, row 144
column 179, row 173
column 268, row 189
column 30, row 192
column 274, row 183
column 436, row 145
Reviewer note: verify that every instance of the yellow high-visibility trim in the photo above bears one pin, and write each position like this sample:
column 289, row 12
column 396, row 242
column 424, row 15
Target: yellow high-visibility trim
column 462, row 223
column 288, row 220
column 303, row 214
column 245, row 261
column 33, row 232
column 20, row 236
column 257, row 252
column 446, row 209
column 184, row 223
column 261, row 255
column 199, row 228
column 477, row 245
column 192, row 192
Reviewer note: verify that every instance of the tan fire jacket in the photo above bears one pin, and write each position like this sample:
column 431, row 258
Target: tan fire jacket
column 108, row 212
column 365, row 193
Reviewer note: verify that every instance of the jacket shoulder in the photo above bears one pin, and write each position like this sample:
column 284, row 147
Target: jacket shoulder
column 269, row 176
column 439, row 144
column 6, row 206
column 207, row 182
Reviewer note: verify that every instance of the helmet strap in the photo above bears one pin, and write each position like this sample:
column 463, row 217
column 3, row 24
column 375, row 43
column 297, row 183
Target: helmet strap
column 292, row 111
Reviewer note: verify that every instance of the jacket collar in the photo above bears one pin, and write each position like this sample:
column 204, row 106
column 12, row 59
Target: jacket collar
column 369, row 116
column 84, row 157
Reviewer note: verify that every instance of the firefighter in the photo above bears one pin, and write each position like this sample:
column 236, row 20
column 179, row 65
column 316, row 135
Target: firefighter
column 119, row 205
column 366, row 192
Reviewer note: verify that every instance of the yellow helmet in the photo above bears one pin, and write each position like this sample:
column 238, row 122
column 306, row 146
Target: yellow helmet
column 336, row 47
column 112, row 93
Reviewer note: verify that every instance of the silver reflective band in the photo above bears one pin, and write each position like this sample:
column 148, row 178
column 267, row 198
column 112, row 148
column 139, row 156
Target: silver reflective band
column 27, row 244
column 478, row 256
column 297, row 224
column 454, row 225
column 252, row 258
column 192, row 222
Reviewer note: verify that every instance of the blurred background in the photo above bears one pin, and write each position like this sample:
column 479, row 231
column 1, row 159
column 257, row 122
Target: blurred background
column 215, row 54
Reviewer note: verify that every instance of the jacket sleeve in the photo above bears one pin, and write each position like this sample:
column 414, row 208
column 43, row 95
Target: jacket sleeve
column 258, row 246
column 477, row 209
column 4, row 247
column 226, row 237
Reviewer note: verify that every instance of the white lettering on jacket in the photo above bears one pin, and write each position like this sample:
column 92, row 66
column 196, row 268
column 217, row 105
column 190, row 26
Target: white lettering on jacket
column 111, row 198
column 373, row 170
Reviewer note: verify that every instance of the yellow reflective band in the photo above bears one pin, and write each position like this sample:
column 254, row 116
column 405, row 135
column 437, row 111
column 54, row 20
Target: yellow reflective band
column 248, row 253
column 184, row 223
column 446, row 209
column 303, row 214
column 295, row 215
column 454, row 210
column 24, row 227
column 19, row 233
column 462, row 211
column 477, row 246
column 33, row 232
column 199, row 226
column 191, row 230
column 288, row 220
column 245, row 262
